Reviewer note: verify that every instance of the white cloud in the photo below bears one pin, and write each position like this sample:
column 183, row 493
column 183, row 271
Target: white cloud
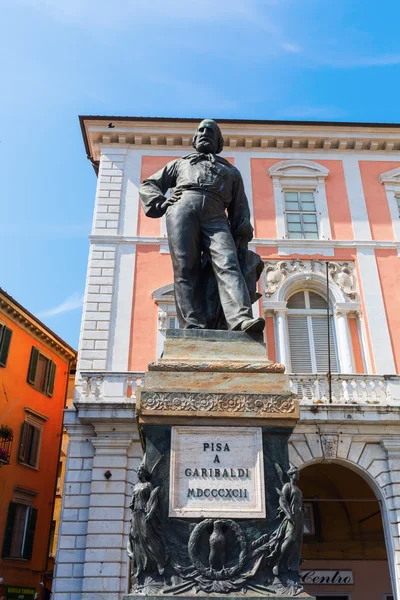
column 71, row 303
column 291, row 47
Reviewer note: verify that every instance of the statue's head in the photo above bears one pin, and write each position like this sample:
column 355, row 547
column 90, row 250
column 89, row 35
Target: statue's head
column 143, row 473
column 208, row 138
column 293, row 474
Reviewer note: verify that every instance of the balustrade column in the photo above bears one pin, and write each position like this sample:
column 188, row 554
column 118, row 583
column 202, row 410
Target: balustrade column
column 283, row 337
column 343, row 342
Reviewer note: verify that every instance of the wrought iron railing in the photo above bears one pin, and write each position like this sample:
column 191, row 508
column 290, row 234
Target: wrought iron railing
column 6, row 440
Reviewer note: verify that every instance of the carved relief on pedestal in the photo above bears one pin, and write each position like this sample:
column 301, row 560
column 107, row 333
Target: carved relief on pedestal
column 258, row 404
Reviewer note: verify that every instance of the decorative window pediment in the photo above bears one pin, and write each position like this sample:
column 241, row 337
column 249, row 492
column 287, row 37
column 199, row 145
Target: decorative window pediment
column 392, row 176
column 298, row 169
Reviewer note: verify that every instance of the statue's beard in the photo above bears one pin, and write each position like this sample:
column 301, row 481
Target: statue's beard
column 205, row 146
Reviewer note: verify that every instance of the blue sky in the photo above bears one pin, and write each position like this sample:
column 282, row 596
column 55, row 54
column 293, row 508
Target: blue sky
column 257, row 59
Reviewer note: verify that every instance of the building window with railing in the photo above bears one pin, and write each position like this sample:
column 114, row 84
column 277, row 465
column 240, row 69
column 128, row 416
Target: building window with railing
column 301, row 215
column 308, row 334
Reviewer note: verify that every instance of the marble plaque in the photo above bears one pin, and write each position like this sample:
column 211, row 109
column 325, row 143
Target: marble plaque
column 217, row 472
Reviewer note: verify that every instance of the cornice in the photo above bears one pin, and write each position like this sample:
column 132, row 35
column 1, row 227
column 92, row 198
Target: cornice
column 257, row 242
column 27, row 321
column 170, row 134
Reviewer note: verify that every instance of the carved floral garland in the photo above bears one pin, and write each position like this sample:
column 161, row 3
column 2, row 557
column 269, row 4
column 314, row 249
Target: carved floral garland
column 182, row 401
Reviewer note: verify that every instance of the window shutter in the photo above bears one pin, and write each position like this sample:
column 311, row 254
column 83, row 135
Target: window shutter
column 8, row 532
column 30, row 534
column 299, row 343
column 33, row 454
column 320, row 333
column 51, row 378
column 23, row 446
column 5, row 340
column 33, row 365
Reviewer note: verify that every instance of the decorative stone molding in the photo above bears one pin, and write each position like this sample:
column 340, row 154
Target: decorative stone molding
column 341, row 274
column 254, row 135
column 275, row 274
column 217, row 367
column 256, row 404
column 298, row 170
column 329, row 444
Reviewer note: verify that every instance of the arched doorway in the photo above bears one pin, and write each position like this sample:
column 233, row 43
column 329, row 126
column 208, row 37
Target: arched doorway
column 344, row 549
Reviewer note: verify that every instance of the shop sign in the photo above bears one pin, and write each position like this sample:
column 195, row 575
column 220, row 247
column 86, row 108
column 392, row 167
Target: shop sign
column 327, row 577
column 16, row 592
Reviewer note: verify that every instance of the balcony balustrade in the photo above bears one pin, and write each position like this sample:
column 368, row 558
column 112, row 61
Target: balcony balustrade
column 116, row 387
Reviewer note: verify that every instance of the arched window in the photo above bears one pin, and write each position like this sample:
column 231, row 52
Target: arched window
column 308, row 334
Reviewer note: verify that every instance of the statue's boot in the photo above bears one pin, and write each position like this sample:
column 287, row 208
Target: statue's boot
column 252, row 325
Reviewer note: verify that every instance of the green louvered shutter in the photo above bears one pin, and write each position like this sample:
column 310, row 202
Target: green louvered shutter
column 33, row 365
column 30, row 534
column 34, row 449
column 24, row 443
column 8, row 532
column 5, row 340
column 51, row 378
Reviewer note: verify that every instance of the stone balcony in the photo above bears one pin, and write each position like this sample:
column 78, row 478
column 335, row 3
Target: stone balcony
column 120, row 388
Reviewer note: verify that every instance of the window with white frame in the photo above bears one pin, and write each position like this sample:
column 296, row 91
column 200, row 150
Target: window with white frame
column 301, row 215
column 308, row 334
column 300, row 199
column 398, row 204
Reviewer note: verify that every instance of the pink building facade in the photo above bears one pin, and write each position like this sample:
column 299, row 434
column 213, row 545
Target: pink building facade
column 325, row 205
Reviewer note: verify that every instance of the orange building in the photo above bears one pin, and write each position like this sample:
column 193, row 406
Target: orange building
column 34, row 370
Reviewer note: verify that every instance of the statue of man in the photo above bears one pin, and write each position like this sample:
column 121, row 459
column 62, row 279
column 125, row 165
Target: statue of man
column 206, row 215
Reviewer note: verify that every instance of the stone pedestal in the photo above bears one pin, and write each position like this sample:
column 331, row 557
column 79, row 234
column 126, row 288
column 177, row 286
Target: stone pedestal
column 215, row 416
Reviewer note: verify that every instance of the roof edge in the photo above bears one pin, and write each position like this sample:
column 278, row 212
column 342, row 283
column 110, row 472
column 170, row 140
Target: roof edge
column 40, row 325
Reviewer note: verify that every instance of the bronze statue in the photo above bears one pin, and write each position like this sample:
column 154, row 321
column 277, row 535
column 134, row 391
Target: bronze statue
column 146, row 546
column 208, row 226
column 285, row 542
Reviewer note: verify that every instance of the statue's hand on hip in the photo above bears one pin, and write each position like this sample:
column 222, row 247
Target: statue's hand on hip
column 171, row 200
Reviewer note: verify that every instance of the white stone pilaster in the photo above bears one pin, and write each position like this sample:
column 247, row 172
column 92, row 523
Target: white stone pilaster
column 375, row 311
column 343, row 342
column 105, row 574
column 279, row 209
column 68, row 573
column 355, row 194
column 321, row 204
column 283, row 338
column 121, row 314
column 391, row 510
column 242, row 162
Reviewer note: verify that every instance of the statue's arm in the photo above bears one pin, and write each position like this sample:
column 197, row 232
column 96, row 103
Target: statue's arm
column 239, row 211
column 153, row 189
